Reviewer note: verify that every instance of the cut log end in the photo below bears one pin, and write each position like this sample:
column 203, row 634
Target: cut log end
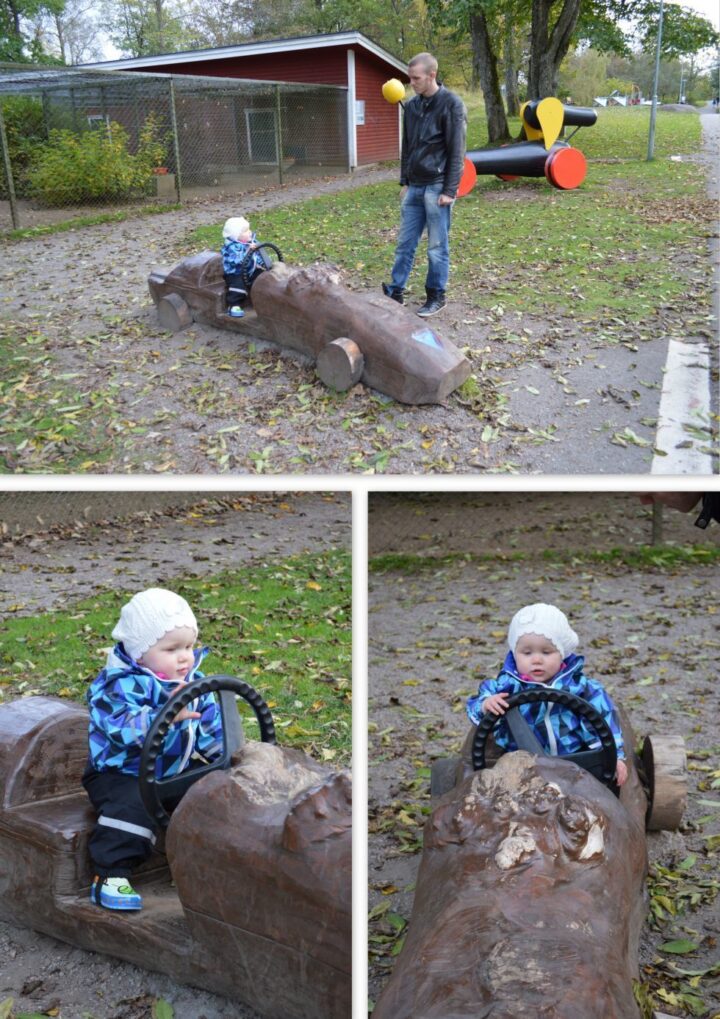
column 173, row 313
column 665, row 764
column 340, row 364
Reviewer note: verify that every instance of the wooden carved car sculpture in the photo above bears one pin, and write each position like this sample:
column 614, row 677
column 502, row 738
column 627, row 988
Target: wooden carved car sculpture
column 251, row 897
column 530, row 896
column 351, row 337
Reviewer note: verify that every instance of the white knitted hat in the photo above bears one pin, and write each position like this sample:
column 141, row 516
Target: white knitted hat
column 234, row 228
column 545, row 621
column 148, row 616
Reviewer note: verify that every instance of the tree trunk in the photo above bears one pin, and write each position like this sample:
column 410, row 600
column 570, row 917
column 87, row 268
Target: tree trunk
column 59, row 28
column 548, row 48
column 485, row 65
column 160, row 15
column 512, row 99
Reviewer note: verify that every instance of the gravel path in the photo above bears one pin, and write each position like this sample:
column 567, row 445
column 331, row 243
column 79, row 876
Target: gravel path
column 650, row 634
column 46, row 570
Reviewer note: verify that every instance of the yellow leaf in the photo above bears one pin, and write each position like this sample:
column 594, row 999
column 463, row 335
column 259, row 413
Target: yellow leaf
column 313, row 585
column 411, row 682
column 427, row 443
column 328, row 754
column 405, row 818
column 388, row 890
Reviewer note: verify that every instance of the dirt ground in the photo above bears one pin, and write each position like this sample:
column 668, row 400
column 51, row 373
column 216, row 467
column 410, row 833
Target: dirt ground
column 560, row 396
column 45, row 570
column 648, row 633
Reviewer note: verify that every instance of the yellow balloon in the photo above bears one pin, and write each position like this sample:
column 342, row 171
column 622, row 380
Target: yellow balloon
column 393, row 90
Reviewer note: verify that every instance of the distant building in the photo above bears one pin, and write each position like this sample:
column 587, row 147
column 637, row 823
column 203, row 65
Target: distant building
column 346, row 59
column 616, row 98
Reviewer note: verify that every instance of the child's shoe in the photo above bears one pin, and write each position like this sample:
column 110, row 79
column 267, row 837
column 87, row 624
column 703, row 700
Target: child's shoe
column 236, row 311
column 115, row 893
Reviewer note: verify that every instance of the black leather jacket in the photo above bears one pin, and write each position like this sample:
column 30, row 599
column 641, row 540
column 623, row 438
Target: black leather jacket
column 433, row 143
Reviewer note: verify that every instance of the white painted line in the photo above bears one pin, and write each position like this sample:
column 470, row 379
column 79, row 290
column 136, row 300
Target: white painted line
column 684, row 403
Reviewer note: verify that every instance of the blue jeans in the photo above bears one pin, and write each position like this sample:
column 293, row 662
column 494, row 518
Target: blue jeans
column 420, row 209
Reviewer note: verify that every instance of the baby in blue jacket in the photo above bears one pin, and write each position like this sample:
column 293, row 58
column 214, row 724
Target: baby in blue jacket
column 542, row 651
column 239, row 241
column 154, row 656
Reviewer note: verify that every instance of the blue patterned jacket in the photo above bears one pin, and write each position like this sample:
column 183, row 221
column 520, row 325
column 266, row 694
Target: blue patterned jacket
column 124, row 700
column 568, row 732
column 233, row 253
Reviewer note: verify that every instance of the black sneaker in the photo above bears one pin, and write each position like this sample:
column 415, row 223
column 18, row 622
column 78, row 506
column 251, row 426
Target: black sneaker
column 435, row 302
column 393, row 293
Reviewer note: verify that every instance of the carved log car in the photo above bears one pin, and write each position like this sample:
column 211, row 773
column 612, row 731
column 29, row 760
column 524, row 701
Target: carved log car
column 251, row 895
column 352, row 337
column 530, row 896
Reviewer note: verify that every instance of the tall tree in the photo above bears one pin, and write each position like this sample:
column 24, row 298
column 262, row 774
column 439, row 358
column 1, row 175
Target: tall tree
column 550, row 41
column 144, row 27
column 485, row 66
column 684, row 32
column 18, row 40
column 72, row 34
column 481, row 20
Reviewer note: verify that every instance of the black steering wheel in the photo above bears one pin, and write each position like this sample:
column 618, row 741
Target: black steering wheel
column 600, row 762
column 154, row 791
column 244, row 267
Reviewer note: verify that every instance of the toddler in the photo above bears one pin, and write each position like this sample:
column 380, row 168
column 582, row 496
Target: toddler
column 154, row 656
column 542, row 646
column 238, row 241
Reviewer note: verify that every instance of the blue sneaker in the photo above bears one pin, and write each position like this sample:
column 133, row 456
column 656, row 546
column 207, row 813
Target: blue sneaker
column 115, row 893
column 236, row 311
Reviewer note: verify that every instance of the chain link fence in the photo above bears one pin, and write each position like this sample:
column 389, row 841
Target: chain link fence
column 491, row 523
column 78, row 142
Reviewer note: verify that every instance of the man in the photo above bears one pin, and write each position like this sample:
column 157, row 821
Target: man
column 433, row 151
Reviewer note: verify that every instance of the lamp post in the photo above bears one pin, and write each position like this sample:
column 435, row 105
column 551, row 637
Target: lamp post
column 653, row 108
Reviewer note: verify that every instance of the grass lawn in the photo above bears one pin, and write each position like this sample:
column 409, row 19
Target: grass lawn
column 283, row 626
column 612, row 247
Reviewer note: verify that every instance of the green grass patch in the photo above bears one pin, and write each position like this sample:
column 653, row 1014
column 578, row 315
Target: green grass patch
column 283, row 625
column 611, row 247
column 640, row 558
column 78, row 222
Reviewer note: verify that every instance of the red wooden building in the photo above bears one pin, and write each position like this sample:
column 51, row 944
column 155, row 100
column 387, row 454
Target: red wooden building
column 346, row 59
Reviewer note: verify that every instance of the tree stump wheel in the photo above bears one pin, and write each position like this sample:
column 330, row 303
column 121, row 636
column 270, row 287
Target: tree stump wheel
column 665, row 763
column 340, row 364
column 173, row 312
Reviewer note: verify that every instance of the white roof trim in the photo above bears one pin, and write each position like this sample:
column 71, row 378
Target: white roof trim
column 252, row 49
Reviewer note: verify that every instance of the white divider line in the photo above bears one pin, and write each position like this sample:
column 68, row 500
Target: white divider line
column 684, row 401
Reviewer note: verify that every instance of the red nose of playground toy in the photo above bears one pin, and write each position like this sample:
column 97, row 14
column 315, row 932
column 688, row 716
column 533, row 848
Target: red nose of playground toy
column 566, row 168
column 467, row 181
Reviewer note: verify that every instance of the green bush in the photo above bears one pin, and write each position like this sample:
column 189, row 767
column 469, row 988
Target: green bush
column 25, row 129
column 73, row 169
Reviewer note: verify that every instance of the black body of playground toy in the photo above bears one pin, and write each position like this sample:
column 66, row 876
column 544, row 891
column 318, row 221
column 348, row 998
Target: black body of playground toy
column 542, row 154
